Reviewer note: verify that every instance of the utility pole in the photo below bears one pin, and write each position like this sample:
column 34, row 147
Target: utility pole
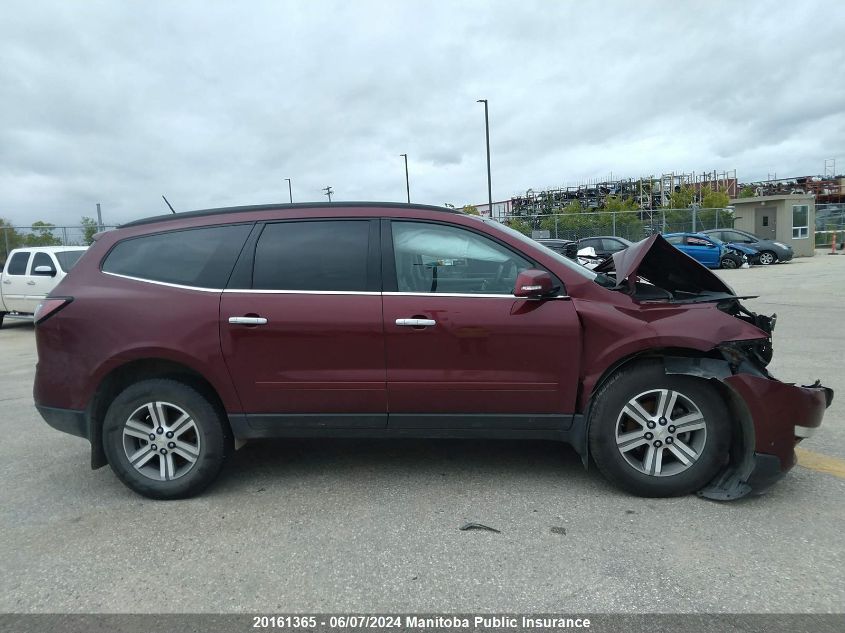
column 99, row 218
column 407, row 182
column 329, row 192
column 290, row 190
column 487, row 133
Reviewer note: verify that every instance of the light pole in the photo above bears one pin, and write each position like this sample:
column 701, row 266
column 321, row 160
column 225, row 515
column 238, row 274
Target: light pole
column 487, row 133
column 290, row 190
column 329, row 192
column 407, row 182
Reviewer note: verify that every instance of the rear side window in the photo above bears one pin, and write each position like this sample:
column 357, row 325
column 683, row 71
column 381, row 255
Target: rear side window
column 17, row 265
column 203, row 258
column 316, row 255
column 68, row 259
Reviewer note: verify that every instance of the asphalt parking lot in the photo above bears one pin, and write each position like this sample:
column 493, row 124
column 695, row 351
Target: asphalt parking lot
column 363, row 526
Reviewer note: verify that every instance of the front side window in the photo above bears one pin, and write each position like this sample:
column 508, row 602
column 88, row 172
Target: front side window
column 319, row 255
column 800, row 221
column 434, row 258
column 17, row 265
column 699, row 241
column 42, row 259
column 202, row 258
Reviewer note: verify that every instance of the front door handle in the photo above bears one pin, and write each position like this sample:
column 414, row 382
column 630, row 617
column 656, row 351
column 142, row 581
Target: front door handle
column 8, row 282
column 245, row 320
column 416, row 322
column 30, row 283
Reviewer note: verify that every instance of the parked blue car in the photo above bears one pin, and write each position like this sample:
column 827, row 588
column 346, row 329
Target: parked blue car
column 707, row 250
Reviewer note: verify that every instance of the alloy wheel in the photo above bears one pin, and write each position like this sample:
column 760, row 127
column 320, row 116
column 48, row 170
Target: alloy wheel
column 728, row 263
column 661, row 432
column 767, row 258
column 161, row 441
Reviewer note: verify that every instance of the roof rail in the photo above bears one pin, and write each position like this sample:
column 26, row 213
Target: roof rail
column 283, row 206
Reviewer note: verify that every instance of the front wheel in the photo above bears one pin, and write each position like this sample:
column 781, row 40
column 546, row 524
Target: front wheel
column 164, row 440
column 658, row 435
column 767, row 257
column 727, row 262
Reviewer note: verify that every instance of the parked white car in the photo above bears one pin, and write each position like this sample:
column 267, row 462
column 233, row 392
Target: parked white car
column 31, row 274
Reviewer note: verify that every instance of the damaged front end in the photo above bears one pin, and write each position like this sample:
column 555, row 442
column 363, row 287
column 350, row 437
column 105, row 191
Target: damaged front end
column 770, row 417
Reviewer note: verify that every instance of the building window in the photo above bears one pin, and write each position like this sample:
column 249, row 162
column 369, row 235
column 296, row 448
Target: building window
column 800, row 221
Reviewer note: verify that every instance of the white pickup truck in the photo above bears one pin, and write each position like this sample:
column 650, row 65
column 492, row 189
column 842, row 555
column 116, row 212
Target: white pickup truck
column 31, row 274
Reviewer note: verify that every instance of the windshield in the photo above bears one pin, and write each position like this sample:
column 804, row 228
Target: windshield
column 68, row 259
column 571, row 265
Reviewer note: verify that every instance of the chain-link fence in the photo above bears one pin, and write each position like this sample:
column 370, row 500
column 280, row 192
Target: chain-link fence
column 12, row 237
column 632, row 225
column 830, row 224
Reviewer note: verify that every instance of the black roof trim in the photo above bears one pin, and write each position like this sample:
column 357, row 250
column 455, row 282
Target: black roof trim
column 282, row 207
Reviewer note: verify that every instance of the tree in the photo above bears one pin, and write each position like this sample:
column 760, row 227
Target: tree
column 522, row 226
column 682, row 198
column 89, row 228
column 714, row 199
column 471, row 209
column 747, row 192
column 42, row 235
column 10, row 239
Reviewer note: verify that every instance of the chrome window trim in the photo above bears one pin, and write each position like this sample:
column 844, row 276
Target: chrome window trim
column 162, row 283
column 257, row 291
column 327, row 292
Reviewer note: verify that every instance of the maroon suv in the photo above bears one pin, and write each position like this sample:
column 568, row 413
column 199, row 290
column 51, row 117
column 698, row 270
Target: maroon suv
column 177, row 337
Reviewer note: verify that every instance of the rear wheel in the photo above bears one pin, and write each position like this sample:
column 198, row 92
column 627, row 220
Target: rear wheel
column 165, row 440
column 658, row 435
column 2, row 314
column 767, row 257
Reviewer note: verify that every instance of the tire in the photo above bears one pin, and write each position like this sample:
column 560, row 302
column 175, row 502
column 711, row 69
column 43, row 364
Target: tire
column 727, row 262
column 153, row 409
column 706, row 448
column 2, row 314
column 767, row 257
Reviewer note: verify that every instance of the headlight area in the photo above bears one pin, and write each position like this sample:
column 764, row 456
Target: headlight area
column 749, row 356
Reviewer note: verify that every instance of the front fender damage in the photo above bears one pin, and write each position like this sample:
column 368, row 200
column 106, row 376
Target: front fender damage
column 770, row 418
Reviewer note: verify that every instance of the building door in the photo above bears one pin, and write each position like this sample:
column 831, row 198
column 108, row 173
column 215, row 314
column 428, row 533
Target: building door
column 766, row 222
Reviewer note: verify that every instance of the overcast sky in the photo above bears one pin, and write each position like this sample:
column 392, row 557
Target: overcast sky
column 216, row 103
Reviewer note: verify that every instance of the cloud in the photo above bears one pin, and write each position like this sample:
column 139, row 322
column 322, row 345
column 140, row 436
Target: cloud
column 217, row 103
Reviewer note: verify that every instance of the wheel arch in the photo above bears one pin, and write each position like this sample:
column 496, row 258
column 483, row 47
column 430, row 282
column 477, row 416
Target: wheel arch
column 730, row 482
column 131, row 372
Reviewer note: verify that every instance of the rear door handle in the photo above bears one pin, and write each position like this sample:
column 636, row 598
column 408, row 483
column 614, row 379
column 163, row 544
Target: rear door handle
column 30, row 283
column 8, row 282
column 244, row 320
column 416, row 322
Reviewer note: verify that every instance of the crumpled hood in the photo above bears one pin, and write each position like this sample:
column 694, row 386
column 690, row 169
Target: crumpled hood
column 657, row 261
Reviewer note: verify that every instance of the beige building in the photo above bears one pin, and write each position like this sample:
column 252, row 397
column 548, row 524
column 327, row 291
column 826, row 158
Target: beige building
column 789, row 219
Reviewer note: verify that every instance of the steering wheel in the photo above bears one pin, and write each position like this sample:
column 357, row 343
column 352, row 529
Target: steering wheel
column 506, row 282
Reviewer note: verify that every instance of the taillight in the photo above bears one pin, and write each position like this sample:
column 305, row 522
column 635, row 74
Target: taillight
column 49, row 307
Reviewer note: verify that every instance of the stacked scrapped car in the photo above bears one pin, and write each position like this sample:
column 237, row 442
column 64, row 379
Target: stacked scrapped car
column 178, row 335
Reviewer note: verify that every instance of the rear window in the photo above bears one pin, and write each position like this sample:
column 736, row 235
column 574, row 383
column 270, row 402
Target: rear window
column 68, row 259
column 203, row 258
column 17, row 265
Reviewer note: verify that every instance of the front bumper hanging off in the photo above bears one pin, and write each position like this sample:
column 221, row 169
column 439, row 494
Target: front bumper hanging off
column 781, row 415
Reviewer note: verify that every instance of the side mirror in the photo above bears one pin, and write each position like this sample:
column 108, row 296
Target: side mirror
column 533, row 284
column 44, row 271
